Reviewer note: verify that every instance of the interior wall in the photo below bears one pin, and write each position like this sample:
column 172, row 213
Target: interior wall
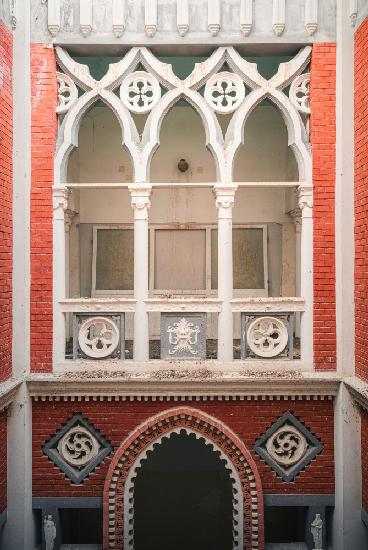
column 194, row 206
column 101, row 156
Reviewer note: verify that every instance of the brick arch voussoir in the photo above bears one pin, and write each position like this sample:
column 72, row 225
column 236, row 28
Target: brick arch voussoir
column 213, row 430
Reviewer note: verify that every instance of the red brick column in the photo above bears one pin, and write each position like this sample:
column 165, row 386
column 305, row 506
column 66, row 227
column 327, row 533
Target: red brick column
column 44, row 128
column 3, row 461
column 361, row 200
column 6, row 193
column 323, row 140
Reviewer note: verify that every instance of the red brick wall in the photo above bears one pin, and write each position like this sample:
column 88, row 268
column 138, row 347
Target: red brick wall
column 364, row 419
column 44, row 127
column 361, row 199
column 323, row 140
column 6, row 184
column 3, row 460
column 117, row 419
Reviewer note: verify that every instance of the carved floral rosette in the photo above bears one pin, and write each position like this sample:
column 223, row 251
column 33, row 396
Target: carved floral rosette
column 137, row 444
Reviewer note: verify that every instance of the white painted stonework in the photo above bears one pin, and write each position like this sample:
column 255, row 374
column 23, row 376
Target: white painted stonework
column 140, row 93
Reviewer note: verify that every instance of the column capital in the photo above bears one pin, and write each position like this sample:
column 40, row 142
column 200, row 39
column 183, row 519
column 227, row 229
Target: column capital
column 305, row 201
column 69, row 216
column 60, row 196
column 225, row 198
column 296, row 215
column 140, row 197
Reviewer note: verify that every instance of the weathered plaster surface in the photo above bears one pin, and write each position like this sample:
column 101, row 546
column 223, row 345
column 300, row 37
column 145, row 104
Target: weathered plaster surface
column 167, row 31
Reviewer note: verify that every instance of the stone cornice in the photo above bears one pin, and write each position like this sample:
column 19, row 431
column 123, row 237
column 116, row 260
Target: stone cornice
column 358, row 389
column 8, row 390
column 171, row 384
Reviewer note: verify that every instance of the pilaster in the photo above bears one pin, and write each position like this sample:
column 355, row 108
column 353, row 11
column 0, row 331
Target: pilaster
column 140, row 199
column 225, row 198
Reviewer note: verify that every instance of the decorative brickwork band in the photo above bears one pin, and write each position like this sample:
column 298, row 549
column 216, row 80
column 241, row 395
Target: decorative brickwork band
column 192, row 421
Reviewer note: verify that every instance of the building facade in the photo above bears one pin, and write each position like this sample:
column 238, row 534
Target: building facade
column 184, row 274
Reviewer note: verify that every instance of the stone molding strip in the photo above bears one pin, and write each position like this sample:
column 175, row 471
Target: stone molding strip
column 299, row 500
column 8, row 390
column 358, row 389
column 49, row 388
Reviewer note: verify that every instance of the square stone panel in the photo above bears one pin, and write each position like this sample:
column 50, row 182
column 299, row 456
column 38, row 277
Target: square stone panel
column 288, row 446
column 77, row 448
column 183, row 336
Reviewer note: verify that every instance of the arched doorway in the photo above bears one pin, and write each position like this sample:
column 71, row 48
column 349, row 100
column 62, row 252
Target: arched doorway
column 183, row 497
column 200, row 433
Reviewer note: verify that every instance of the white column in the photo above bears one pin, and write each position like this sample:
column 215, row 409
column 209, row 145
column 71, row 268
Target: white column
column 60, row 205
column 348, row 530
column 297, row 218
column 225, row 202
column 140, row 202
column 306, row 272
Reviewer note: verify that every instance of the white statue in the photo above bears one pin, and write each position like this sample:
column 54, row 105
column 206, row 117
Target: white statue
column 50, row 532
column 316, row 530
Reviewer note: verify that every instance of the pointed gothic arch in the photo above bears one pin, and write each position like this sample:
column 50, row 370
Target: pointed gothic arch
column 134, row 450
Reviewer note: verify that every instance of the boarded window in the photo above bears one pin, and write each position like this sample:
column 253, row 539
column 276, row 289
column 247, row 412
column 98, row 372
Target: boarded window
column 114, row 259
column 180, row 259
column 248, row 258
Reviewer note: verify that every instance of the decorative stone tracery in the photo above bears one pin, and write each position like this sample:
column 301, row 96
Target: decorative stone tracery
column 117, row 512
column 230, row 100
column 140, row 92
column 224, row 92
column 300, row 93
column 67, row 93
column 267, row 336
column 98, row 337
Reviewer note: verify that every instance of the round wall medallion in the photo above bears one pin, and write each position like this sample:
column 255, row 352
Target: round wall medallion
column 300, row 93
column 67, row 93
column 287, row 446
column 98, row 337
column 78, row 447
column 267, row 336
column 140, row 91
column 224, row 92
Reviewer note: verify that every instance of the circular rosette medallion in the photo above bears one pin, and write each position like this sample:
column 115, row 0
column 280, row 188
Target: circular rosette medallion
column 287, row 446
column 267, row 336
column 98, row 337
column 300, row 93
column 224, row 92
column 67, row 93
column 140, row 92
column 78, row 447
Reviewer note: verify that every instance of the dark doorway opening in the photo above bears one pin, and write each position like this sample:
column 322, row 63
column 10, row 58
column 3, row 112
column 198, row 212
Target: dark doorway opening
column 183, row 497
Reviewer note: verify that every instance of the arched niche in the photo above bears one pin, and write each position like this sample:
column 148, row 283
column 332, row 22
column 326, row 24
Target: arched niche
column 118, row 521
column 182, row 136
column 265, row 154
column 100, row 156
column 184, row 495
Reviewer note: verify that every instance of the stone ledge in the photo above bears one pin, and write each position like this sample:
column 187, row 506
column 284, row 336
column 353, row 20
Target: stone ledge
column 8, row 390
column 197, row 385
column 358, row 389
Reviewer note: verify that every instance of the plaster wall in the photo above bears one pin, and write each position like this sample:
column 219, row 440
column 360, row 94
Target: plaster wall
column 102, row 21
column 101, row 157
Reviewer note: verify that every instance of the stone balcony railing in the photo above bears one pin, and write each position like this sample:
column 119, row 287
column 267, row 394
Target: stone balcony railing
column 132, row 22
column 267, row 329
